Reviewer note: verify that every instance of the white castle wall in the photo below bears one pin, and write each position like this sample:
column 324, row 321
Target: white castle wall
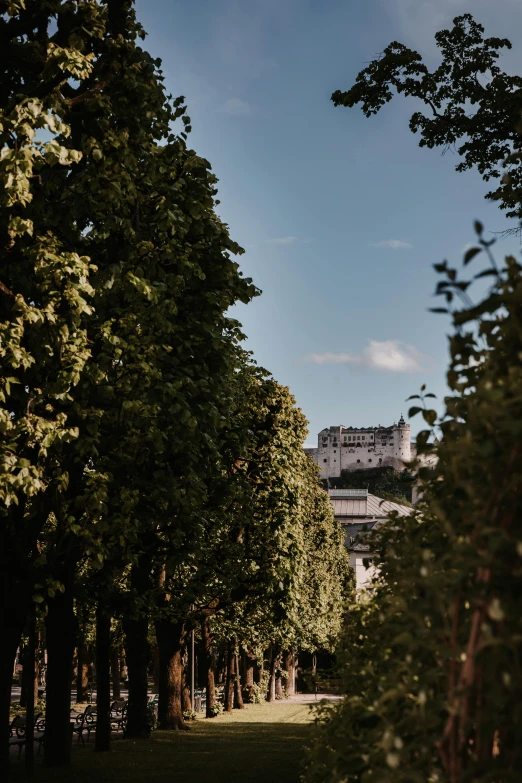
column 351, row 448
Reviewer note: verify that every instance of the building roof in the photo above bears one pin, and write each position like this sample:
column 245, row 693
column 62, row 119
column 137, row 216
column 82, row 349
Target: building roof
column 350, row 503
column 381, row 508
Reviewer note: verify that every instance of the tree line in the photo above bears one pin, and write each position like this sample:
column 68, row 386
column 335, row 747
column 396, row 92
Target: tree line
column 151, row 474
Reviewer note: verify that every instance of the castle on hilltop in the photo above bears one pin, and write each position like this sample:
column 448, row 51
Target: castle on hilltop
column 352, row 448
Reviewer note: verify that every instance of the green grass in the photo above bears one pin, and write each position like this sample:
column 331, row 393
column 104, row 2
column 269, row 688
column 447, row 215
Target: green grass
column 261, row 744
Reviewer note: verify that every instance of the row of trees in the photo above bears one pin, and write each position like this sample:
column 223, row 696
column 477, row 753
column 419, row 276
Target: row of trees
column 430, row 658
column 148, row 467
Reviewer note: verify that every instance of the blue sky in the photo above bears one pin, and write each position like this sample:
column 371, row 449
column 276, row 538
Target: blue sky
column 341, row 217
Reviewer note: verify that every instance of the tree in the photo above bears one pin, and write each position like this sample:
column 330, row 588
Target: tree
column 473, row 105
column 430, row 659
column 45, row 295
column 385, row 482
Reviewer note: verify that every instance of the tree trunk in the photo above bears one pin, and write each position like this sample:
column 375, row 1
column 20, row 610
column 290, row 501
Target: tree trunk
column 289, row 665
column 238, row 696
column 137, row 656
column 124, row 675
column 82, row 670
column 61, row 631
column 279, row 694
column 29, row 680
column 221, row 667
column 170, row 637
column 209, row 668
column 115, row 673
column 274, row 663
column 25, row 674
column 259, row 671
column 229, row 685
column 185, row 693
column 248, row 665
column 155, row 667
column 30, row 660
column 103, row 679
column 12, row 627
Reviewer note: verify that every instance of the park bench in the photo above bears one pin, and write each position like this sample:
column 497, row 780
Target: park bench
column 118, row 715
column 18, row 733
column 85, row 723
column 328, row 686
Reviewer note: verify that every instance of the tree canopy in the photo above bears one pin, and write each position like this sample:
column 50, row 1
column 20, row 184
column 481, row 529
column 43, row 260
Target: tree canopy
column 473, row 105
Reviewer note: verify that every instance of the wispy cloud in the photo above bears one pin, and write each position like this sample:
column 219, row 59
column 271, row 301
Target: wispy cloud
column 289, row 241
column 236, row 107
column 388, row 356
column 392, row 244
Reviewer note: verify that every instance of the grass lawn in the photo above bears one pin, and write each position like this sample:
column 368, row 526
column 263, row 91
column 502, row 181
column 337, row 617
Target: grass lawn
column 261, row 744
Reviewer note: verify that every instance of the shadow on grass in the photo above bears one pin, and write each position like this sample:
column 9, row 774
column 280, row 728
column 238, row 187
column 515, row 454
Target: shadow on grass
column 211, row 752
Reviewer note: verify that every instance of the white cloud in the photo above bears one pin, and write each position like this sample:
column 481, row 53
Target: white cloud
column 392, row 244
column 236, row 107
column 388, row 356
column 289, row 241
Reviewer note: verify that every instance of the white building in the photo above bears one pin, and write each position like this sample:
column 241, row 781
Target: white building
column 349, row 448
column 359, row 512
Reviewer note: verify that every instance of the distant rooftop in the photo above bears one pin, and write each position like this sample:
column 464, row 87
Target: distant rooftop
column 350, row 503
column 348, row 493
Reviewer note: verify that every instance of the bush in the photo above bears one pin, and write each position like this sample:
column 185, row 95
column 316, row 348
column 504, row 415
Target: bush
column 217, row 709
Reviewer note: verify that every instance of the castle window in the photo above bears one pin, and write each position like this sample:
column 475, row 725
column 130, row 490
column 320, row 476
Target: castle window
column 325, row 460
column 358, row 460
column 335, row 451
column 369, row 460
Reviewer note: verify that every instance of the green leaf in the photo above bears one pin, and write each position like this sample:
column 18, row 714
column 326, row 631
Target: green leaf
column 470, row 254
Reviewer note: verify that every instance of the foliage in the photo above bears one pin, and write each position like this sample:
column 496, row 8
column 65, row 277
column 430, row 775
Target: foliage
column 473, row 105
column 430, row 659
column 385, row 482
column 217, row 708
column 259, row 689
column 190, row 715
column 152, row 715
column 18, row 709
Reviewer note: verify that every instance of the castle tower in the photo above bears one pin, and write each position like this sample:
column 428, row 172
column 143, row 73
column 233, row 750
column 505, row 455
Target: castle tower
column 353, row 448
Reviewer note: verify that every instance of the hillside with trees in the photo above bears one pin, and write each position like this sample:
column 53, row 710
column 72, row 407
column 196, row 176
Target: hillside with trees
column 385, row 482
